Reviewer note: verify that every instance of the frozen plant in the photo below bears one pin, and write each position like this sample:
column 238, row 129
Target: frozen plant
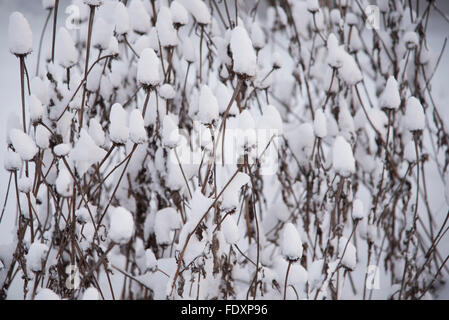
column 194, row 149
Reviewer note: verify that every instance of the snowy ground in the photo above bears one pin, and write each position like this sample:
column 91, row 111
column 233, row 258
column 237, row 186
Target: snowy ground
column 10, row 96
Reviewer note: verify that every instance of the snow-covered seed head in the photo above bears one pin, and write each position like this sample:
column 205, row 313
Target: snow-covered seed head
column 42, row 137
column 243, row 54
column 342, row 157
column 62, row 149
column 351, row 19
column 36, row 109
column 411, row 40
column 188, row 50
column 168, row 36
column 141, row 21
column 319, row 124
column 291, row 244
column 102, row 33
column 86, row 153
column 230, row 230
column 137, row 132
column 20, row 35
column 179, row 14
column 23, row 144
column 36, row 256
column 334, row 52
column 150, row 260
column 121, row 227
column 257, row 36
column 208, row 105
column 358, row 211
column 390, row 97
column 12, row 161
column 118, row 129
column 414, row 117
column 122, row 24
column 277, row 60
column 167, row 92
column 66, row 54
column 199, row 10
column 148, row 73
column 313, row 6
column 25, row 184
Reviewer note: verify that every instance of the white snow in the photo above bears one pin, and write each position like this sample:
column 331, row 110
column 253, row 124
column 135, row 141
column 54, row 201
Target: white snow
column 349, row 259
column 335, row 52
column 91, row 293
column 243, row 54
column 342, row 157
column 231, row 194
column 390, row 97
column 349, row 71
column 118, row 129
column 257, row 36
column 208, row 105
column 96, row 132
column 23, row 144
column 40, row 90
column 358, row 211
column 410, row 151
column 36, row 255
column 170, row 131
column 64, row 183
column 140, row 21
column 320, row 124
column 291, row 244
column 411, row 40
column 20, row 35
column 36, row 109
column 66, row 52
column 179, row 13
column 62, row 149
column 167, row 92
column 102, row 33
column 224, row 95
column 12, row 161
column 137, row 132
column 122, row 24
column 166, row 219
column 198, row 10
column 168, row 36
column 46, row 294
column 25, row 184
column 150, row 260
column 414, row 118
column 148, row 73
column 270, row 120
column 188, row 50
column 121, row 226
column 313, row 6
column 86, row 153
column 230, row 229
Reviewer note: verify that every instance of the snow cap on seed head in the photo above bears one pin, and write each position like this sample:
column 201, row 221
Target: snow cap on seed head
column 148, row 73
column 20, row 35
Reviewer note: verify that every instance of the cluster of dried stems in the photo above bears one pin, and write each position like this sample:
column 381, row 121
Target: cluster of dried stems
column 395, row 196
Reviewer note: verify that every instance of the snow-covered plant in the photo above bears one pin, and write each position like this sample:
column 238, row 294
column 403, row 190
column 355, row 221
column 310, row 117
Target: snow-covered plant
column 191, row 149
